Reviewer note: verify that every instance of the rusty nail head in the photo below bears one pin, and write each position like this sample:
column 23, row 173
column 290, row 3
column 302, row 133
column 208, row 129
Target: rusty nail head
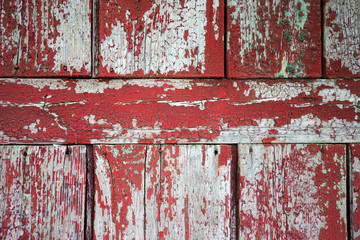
column 16, row 66
column 65, row 68
column 111, row 70
column 250, row 150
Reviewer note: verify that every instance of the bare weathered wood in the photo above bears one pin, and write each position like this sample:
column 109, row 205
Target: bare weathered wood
column 355, row 191
column 156, row 111
column 42, row 192
column 342, row 38
column 162, row 38
column 183, row 192
column 45, row 38
column 275, row 39
column 292, row 192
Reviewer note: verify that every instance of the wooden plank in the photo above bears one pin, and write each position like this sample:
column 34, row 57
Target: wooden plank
column 42, row 192
column 292, row 191
column 195, row 197
column 355, row 191
column 269, row 38
column 161, row 38
column 182, row 111
column 45, row 38
column 119, row 192
column 183, row 192
column 342, row 38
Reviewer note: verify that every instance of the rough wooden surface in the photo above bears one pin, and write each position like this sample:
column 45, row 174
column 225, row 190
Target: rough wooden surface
column 355, row 190
column 162, row 38
column 268, row 38
column 167, row 192
column 45, row 38
column 155, row 111
column 292, row 192
column 342, row 38
column 42, row 192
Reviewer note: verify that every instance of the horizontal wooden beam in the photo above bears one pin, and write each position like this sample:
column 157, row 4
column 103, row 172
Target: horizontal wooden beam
column 179, row 111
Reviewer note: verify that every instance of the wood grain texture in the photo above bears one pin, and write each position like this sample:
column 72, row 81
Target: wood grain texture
column 275, row 39
column 355, row 190
column 182, row 111
column 162, row 38
column 164, row 192
column 42, row 192
column 342, row 38
column 292, row 192
column 45, row 38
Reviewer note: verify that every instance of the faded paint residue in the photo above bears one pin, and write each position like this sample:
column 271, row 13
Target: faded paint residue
column 274, row 39
column 342, row 38
column 41, row 38
column 285, row 191
column 162, row 38
column 42, row 192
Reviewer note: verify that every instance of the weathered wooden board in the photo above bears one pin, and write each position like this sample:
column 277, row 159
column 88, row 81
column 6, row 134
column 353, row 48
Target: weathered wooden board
column 161, row 38
column 355, row 190
column 292, row 192
column 342, row 38
column 194, row 196
column 45, row 38
column 183, row 111
column 268, row 38
column 167, row 192
column 42, row 192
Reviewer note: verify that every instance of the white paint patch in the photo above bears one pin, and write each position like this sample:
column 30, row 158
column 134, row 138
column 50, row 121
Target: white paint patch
column 162, row 45
column 344, row 44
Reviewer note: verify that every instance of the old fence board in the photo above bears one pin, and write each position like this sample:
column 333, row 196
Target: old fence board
column 173, row 191
column 42, row 192
column 273, row 39
column 355, row 191
column 292, row 191
column 342, row 38
column 182, row 111
column 161, row 38
column 45, row 38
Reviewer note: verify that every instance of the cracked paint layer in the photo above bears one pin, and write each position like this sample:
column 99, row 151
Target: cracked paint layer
column 165, row 192
column 292, row 191
column 179, row 111
column 42, row 192
column 45, row 38
column 355, row 190
column 342, row 38
column 275, row 39
column 161, row 38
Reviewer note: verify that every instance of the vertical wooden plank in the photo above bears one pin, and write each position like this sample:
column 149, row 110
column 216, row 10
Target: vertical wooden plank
column 119, row 191
column 43, row 190
column 45, row 38
column 355, row 187
column 268, row 38
column 292, row 191
column 161, row 38
column 195, row 200
column 342, row 38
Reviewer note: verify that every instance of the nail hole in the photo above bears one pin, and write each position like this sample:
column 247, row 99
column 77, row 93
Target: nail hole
column 216, row 152
column 24, row 153
column 67, row 151
column 65, row 68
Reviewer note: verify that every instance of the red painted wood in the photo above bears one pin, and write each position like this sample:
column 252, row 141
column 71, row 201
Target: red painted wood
column 167, row 192
column 292, row 192
column 154, row 111
column 355, row 187
column 42, row 192
column 45, row 38
column 274, row 39
column 161, row 38
column 342, row 38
